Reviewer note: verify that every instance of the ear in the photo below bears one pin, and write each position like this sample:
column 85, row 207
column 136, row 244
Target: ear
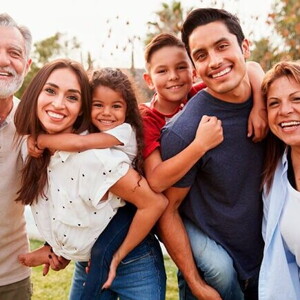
column 28, row 64
column 148, row 81
column 246, row 48
column 194, row 75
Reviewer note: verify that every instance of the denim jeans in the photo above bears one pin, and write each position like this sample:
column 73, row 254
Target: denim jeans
column 214, row 264
column 141, row 275
column 104, row 248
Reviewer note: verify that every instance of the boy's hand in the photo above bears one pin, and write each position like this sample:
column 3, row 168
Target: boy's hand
column 112, row 272
column 209, row 133
column 33, row 149
column 258, row 124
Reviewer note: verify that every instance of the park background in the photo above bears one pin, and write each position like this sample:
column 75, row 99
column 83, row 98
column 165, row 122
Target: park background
column 113, row 34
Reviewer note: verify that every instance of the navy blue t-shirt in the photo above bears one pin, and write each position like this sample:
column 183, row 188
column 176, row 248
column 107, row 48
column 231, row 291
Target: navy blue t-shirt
column 225, row 199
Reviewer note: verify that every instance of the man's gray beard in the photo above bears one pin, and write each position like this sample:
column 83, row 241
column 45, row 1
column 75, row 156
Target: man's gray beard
column 8, row 89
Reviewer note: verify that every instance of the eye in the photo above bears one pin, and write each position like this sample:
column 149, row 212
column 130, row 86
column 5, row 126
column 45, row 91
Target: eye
column 97, row 104
column 161, row 71
column 223, row 46
column 200, row 56
column 73, row 97
column 117, row 106
column 273, row 103
column 296, row 99
column 50, row 90
column 15, row 53
column 182, row 67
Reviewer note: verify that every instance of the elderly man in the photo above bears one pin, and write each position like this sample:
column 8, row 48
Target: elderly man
column 15, row 45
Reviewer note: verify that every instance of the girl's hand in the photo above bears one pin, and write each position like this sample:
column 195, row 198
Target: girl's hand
column 112, row 272
column 33, row 149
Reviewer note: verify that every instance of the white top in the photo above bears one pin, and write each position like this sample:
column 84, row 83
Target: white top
column 290, row 222
column 71, row 215
column 126, row 135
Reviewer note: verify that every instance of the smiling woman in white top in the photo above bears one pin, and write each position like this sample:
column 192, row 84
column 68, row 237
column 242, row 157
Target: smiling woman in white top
column 279, row 275
column 65, row 189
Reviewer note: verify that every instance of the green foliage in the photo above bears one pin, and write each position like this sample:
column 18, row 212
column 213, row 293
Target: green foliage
column 168, row 19
column 285, row 42
column 56, row 285
column 46, row 50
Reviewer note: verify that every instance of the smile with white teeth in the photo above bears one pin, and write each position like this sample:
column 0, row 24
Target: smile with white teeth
column 174, row 87
column 225, row 71
column 4, row 74
column 107, row 122
column 55, row 115
column 289, row 124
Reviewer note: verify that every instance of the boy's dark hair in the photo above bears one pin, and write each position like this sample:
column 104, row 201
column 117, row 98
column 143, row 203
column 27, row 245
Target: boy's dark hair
column 204, row 16
column 118, row 81
column 160, row 41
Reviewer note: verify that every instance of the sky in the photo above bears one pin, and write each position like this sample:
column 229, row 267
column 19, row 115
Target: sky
column 91, row 20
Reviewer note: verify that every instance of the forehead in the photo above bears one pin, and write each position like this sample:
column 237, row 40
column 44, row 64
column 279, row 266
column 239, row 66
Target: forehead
column 283, row 85
column 11, row 37
column 207, row 35
column 168, row 55
column 107, row 94
column 64, row 77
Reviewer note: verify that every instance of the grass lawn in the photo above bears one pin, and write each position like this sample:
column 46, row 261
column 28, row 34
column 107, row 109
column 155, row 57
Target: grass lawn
column 56, row 285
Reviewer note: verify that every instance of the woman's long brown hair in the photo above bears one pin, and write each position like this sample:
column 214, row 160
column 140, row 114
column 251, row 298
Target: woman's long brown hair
column 34, row 174
column 275, row 146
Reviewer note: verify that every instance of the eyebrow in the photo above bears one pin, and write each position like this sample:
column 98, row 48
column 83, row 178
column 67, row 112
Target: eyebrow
column 69, row 90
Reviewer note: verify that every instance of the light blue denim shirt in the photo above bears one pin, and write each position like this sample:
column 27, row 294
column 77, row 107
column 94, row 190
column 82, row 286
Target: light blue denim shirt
column 279, row 274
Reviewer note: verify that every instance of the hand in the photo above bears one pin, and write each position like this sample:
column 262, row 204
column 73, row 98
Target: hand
column 33, row 149
column 202, row 291
column 207, row 293
column 209, row 133
column 258, row 124
column 57, row 263
column 112, row 272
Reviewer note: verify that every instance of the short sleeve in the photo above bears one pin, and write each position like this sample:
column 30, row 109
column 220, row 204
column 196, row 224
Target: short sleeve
column 152, row 124
column 122, row 132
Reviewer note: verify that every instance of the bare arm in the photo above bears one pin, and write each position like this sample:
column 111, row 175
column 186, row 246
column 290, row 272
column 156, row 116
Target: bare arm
column 163, row 174
column 150, row 206
column 173, row 234
column 257, row 122
column 74, row 142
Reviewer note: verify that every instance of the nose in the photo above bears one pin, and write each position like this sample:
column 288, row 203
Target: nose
column 106, row 110
column 286, row 108
column 58, row 102
column 215, row 60
column 173, row 75
column 4, row 59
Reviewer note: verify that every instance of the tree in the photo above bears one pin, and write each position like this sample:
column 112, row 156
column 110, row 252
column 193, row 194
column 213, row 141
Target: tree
column 46, row 50
column 285, row 43
column 169, row 19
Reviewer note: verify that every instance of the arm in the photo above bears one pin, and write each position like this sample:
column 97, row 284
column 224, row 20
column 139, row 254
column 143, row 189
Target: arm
column 150, row 206
column 257, row 122
column 173, row 234
column 163, row 174
column 73, row 142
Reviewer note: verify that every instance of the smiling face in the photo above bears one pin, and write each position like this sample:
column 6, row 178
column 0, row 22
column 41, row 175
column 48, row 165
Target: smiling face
column 283, row 105
column 59, row 103
column 219, row 59
column 13, row 62
column 170, row 75
column 108, row 108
